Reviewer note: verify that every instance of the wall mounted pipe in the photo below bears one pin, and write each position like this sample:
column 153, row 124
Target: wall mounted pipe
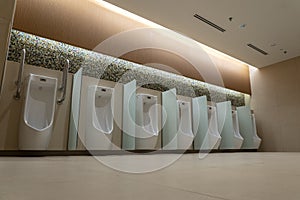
column 63, row 86
column 18, row 82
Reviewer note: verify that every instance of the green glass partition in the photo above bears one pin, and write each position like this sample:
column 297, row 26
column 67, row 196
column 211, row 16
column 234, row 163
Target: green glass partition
column 169, row 119
column 225, row 125
column 75, row 107
column 246, row 126
column 200, row 120
column 129, row 104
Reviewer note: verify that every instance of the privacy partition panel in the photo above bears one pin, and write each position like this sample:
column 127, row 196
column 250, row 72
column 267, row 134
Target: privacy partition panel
column 129, row 104
column 225, row 125
column 246, row 126
column 75, row 107
column 169, row 119
column 200, row 121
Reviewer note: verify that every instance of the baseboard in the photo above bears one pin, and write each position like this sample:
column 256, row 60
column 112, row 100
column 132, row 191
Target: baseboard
column 113, row 152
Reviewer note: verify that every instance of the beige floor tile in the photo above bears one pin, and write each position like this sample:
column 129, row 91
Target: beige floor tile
column 235, row 176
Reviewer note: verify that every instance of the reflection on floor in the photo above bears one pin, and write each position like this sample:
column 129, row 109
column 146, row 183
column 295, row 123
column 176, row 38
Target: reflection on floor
column 234, row 176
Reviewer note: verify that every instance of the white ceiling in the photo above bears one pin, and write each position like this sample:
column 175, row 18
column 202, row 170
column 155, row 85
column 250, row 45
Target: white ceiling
column 267, row 22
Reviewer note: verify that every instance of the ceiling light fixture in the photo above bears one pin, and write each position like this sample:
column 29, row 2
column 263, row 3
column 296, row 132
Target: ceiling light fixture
column 242, row 26
column 126, row 13
column 149, row 23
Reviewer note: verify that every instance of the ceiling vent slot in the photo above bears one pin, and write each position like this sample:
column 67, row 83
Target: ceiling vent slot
column 257, row 49
column 209, row 23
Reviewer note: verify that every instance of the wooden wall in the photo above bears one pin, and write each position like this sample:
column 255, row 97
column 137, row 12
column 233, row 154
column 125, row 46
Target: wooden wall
column 84, row 23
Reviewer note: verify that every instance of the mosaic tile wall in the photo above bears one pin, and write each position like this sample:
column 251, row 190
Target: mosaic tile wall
column 51, row 54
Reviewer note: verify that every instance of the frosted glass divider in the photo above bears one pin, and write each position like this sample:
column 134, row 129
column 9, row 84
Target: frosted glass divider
column 246, row 126
column 75, row 107
column 129, row 112
column 169, row 119
column 225, row 125
column 200, row 120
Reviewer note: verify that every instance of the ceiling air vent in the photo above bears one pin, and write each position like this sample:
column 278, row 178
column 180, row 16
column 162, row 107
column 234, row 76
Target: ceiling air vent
column 257, row 49
column 209, row 23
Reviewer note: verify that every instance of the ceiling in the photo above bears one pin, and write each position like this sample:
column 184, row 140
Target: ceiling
column 270, row 25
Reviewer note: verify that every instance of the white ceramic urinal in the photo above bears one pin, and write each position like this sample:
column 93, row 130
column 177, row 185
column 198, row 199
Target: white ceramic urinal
column 147, row 122
column 213, row 138
column 256, row 139
column 38, row 113
column 99, row 119
column 238, row 139
column 185, row 134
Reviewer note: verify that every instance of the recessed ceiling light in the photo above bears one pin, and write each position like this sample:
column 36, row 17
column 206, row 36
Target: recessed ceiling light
column 284, row 51
column 126, row 13
column 242, row 26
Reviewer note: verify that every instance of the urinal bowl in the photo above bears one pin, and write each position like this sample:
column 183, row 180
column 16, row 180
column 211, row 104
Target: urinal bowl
column 184, row 141
column 256, row 142
column 256, row 139
column 145, row 140
column 237, row 142
column 99, row 120
column 185, row 134
column 238, row 139
column 38, row 113
column 212, row 141
column 147, row 122
column 213, row 135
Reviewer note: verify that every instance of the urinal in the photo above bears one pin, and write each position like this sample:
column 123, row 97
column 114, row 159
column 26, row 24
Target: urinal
column 99, row 119
column 238, row 139
column 185, row 134
column 38, row 113
column 147, row 122
column 256, row 139
column 212, row 139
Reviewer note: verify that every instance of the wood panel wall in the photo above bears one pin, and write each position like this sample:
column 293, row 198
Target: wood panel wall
column 84, row 23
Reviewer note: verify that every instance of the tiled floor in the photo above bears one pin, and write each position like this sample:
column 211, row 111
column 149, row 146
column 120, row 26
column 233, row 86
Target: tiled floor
column 235, row 176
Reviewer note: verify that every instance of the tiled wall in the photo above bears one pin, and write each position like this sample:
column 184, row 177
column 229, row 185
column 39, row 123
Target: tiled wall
column 51, row 54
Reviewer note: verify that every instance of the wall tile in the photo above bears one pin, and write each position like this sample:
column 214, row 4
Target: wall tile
column 51, row 55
